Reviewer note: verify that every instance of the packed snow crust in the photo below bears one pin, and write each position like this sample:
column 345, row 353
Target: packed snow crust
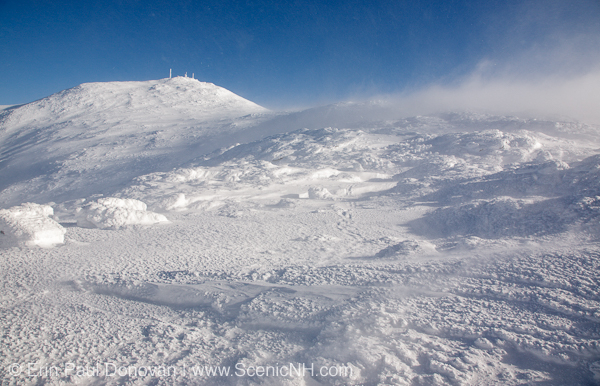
column 29, row 225
column 454, row 249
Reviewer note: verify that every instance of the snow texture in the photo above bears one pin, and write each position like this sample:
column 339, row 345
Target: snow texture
column 454, row 249
column 29, row 225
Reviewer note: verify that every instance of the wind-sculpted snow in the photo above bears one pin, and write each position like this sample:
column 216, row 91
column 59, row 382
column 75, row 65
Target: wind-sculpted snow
column 449, row 250
column 114, row 213
column 29, row 225
column 446, row 168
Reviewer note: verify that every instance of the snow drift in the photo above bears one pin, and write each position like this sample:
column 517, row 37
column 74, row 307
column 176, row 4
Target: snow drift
column 29, row 225
column 114, row 213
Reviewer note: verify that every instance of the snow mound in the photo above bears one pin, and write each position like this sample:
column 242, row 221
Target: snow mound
column 29, row 225
column 114, row 213
column 499, row 217
column 319, row 193
column 405, row 248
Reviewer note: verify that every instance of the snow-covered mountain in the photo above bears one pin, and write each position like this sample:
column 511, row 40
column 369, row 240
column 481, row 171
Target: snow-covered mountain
column 96, row 136
column 340, row 245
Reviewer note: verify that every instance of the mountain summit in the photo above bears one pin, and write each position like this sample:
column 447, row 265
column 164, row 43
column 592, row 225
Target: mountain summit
column 152, row 102
column 93, row 137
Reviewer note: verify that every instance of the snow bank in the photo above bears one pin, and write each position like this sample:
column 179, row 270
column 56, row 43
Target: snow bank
column 114, row 213
column 319, row 193
column 29, row 225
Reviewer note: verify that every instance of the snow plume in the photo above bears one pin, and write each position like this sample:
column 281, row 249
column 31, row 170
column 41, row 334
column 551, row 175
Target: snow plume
column 553, row 97
column 541, row 61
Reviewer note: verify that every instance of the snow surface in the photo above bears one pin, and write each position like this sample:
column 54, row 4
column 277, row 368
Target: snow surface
column 454, row 249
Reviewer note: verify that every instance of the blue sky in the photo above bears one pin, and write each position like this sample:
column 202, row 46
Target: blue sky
column 291, row 53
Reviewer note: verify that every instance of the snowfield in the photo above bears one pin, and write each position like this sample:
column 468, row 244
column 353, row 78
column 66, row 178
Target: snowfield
column 320, row 249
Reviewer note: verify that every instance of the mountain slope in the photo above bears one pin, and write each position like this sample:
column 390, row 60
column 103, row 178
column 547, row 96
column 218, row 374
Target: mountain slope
column 96, row 136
